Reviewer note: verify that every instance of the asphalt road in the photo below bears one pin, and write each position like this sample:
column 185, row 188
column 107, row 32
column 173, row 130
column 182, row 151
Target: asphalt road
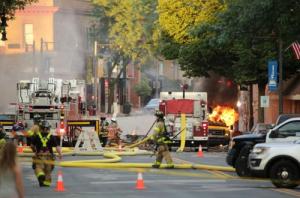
column 90, row 183
column 139, row 122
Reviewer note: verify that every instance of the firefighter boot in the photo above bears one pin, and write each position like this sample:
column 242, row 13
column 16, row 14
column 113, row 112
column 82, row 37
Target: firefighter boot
column 41, row 179
column 170, row 166
column 156, row 165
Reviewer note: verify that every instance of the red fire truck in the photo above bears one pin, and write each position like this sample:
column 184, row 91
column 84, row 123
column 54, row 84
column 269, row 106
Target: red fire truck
column 194, row 106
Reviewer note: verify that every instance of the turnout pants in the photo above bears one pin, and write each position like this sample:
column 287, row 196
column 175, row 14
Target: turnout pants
column 43, row 166
column 163, row 152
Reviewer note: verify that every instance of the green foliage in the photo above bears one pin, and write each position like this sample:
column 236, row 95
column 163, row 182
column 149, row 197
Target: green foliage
column 179, row 17
column 10, row 6
column 143, row 88
column 239, row 40
column 130, row 25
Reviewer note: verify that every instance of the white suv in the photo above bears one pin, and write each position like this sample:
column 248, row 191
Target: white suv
column 278, row 161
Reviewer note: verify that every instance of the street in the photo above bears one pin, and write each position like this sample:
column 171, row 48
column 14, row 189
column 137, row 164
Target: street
column 91, row 182
column 85, row 182
column 196, row 78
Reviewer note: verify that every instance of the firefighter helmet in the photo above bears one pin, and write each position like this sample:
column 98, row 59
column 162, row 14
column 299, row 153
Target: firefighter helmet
column 45, row 124
column 18, row 127
column 37, row 117
column 159, row 114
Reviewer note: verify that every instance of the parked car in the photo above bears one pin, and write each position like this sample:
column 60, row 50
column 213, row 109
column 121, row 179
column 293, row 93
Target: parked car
column 152, row 105
column 278, row 161
column 261, row 128
column 241, row 146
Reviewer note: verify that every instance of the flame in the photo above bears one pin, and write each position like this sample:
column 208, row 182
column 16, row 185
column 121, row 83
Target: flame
column 224, row 114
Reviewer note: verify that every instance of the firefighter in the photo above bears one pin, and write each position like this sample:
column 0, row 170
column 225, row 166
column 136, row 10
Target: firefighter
column 35, row 127
column 18, row 133
column 103, row 130
column 114, row 133
column 42, row 143
column 162, row 140
column 2, row 136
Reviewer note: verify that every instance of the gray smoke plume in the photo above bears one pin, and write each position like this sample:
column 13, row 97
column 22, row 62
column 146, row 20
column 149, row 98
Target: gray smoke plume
column 220, row 91
column 67, row 61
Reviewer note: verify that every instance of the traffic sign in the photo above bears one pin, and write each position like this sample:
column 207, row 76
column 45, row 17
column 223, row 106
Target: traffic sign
column 264, row 101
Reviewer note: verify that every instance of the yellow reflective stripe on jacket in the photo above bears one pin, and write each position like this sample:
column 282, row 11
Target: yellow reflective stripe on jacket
column 47, row 183
column 156, row 129
column 30, row 133
column 40, row 174
column 2, row 142
column 44, row 140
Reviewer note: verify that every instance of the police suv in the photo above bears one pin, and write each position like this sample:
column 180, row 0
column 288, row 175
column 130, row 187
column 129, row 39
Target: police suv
column 278, row 161
column 286, row 130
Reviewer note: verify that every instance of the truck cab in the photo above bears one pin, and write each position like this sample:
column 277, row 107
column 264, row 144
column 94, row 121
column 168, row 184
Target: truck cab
column 194, row 106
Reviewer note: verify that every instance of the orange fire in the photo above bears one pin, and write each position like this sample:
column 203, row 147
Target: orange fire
column 223, row 114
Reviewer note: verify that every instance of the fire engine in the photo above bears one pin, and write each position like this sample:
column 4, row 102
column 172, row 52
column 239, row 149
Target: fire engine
column 55, row 100
column 194, row 106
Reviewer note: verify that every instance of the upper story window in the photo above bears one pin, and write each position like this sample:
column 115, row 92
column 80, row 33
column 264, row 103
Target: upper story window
column 28, row 34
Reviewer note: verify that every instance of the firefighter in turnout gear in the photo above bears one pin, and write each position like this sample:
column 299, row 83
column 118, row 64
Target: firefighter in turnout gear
column 162, row 140
column 2, row 137
column 103, row 131
column 114, row 133
column 42, row 143
column 35, row 127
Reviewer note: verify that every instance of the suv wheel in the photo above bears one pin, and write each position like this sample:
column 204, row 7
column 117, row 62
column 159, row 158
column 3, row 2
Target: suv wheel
column 241, row 164
column 284, row 174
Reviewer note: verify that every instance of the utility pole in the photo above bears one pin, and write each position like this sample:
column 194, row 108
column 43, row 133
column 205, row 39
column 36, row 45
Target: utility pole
column 280, row 96
column 124, row 82
column 96, row 97
column 156, row 79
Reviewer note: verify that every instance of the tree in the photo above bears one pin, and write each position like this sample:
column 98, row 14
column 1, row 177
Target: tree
column 240, row 40
column 143, row 89
column 10, row 6
column 179, row 17
column 128, row 26
column 7, row 12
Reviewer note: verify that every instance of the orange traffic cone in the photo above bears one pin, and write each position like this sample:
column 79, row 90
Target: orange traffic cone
column 20, row 148
column 60, row 183
column 200, row 152
column 140, row 182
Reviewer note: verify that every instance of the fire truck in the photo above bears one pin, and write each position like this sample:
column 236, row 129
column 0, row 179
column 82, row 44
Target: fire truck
column 55, row 100
column 194, row 106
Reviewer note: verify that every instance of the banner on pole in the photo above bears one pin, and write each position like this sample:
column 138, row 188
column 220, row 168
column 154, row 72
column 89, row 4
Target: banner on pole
column 272, row 75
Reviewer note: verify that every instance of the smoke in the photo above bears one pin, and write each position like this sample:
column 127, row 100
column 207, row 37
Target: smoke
column 66, row 61
column 220, row 91
column 71, row 23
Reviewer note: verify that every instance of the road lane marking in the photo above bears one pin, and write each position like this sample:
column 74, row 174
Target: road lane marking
column 293, row 193
column 225, row 175
column 177, row 181
column 182, row 161
column 218, row 174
